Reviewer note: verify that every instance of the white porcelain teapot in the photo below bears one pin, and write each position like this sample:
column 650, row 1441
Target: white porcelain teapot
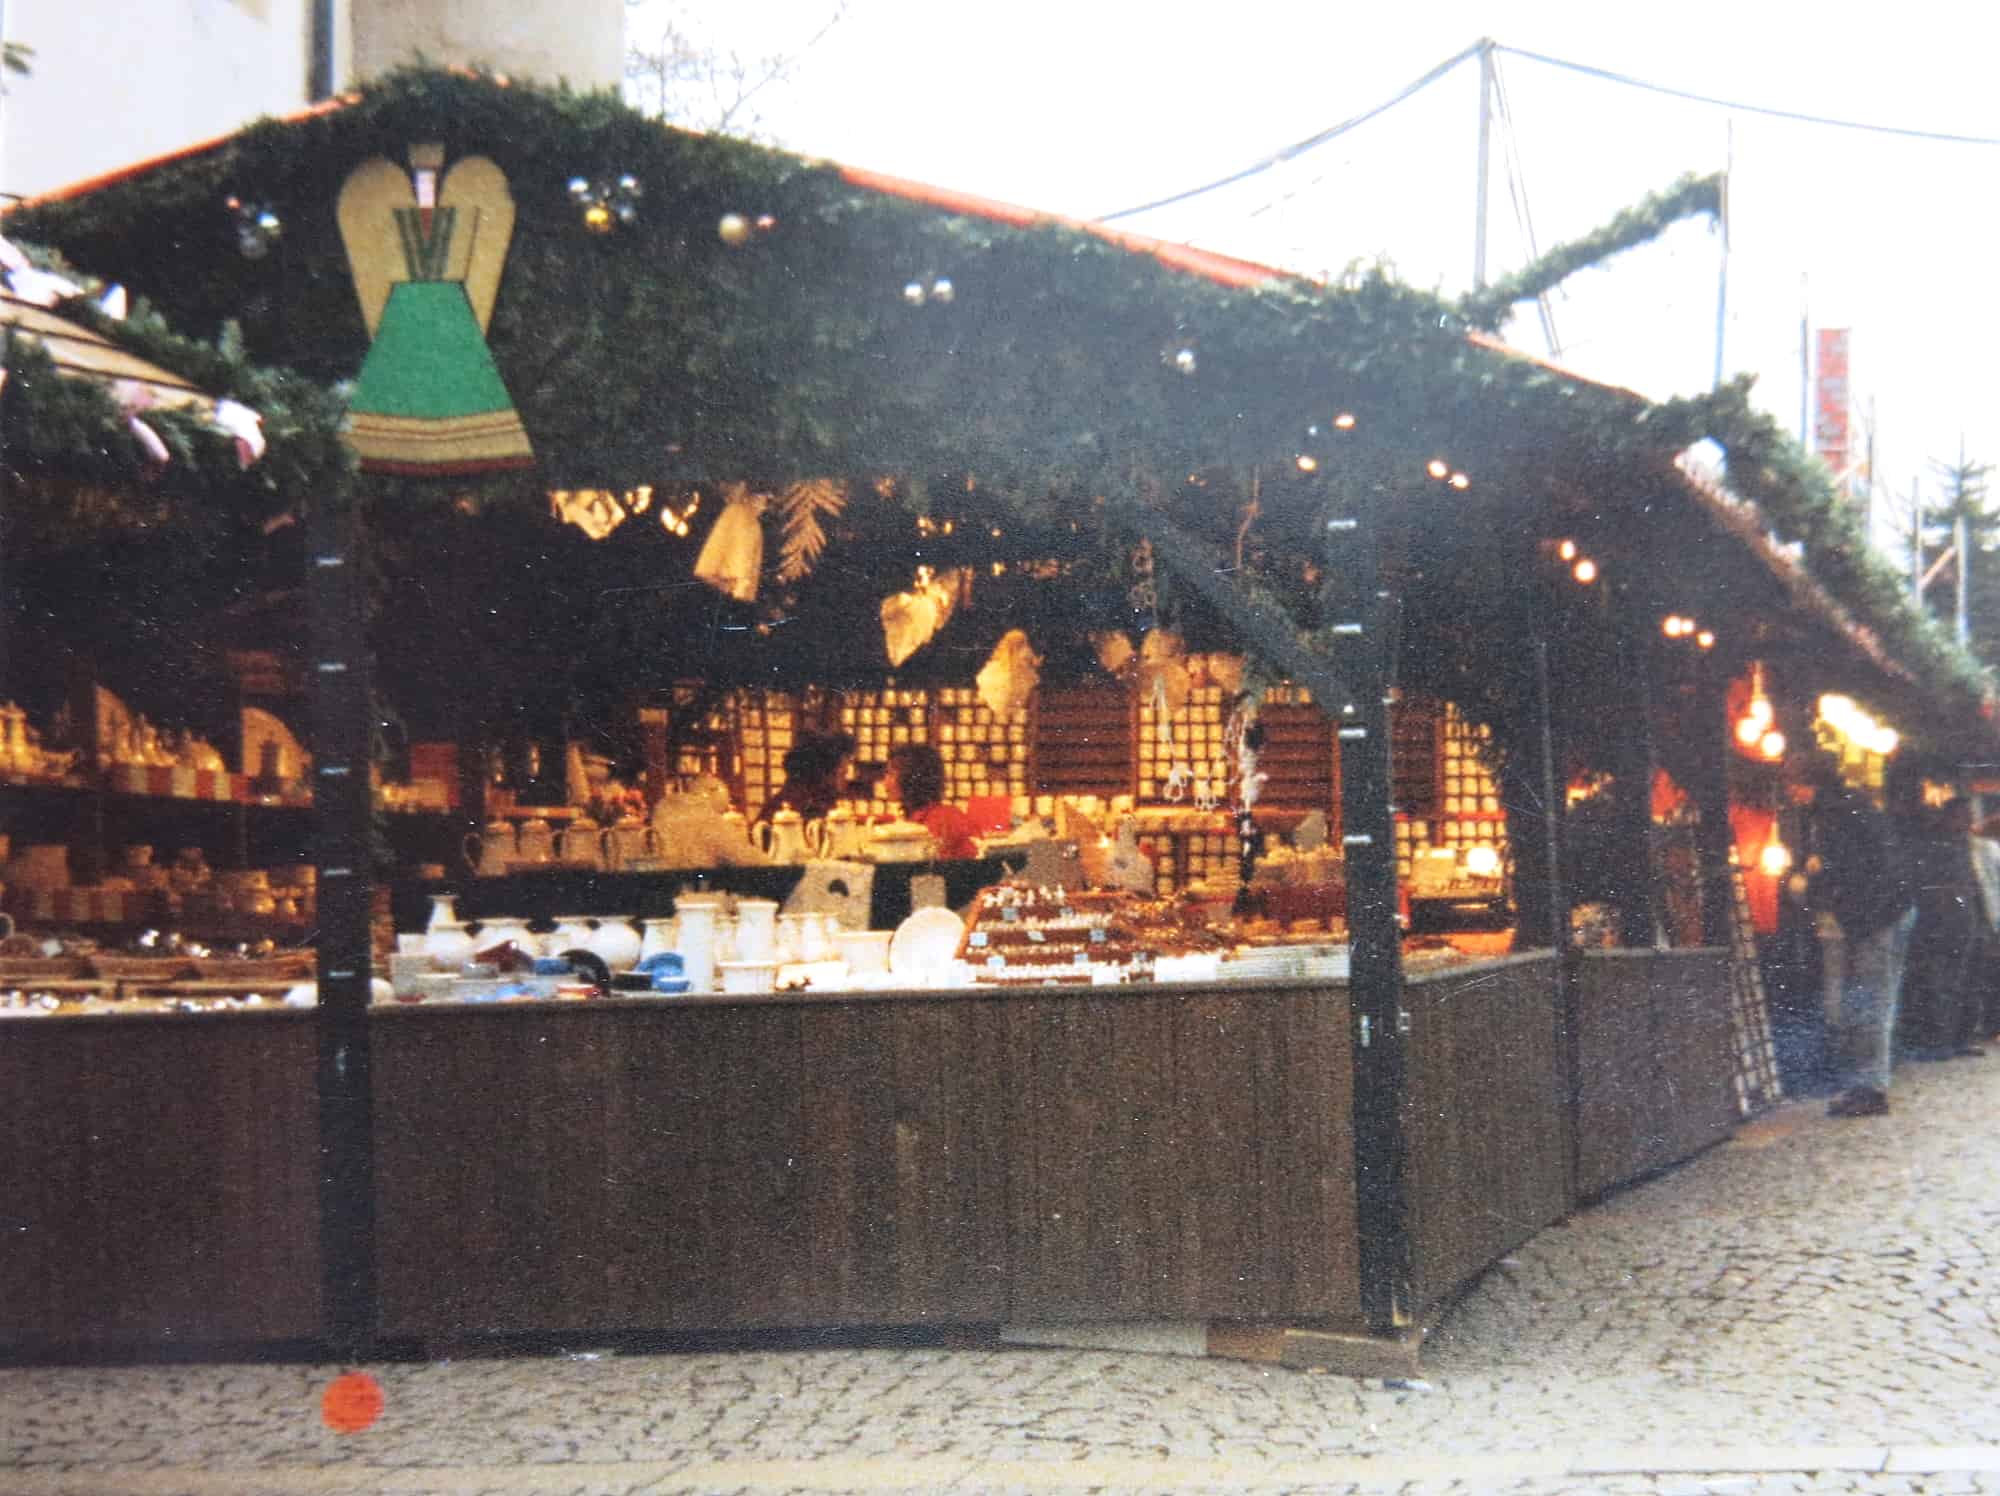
column 841, row 835
column 627, row 842
column 783, row 837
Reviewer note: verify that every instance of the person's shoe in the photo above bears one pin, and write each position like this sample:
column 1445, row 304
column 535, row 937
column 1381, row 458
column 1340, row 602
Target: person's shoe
column 1862, row 1101
column 1968, row 1052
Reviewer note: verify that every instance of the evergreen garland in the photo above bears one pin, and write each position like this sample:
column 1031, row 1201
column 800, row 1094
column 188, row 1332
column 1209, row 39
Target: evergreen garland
column 661, row 354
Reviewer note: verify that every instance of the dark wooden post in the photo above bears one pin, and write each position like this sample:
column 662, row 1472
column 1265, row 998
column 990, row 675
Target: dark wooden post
column 1710, row 793
column 1632, row 778
column 1366, row 618
column 342, row 811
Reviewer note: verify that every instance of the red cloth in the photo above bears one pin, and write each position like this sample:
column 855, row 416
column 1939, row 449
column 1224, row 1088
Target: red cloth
column 951, row 827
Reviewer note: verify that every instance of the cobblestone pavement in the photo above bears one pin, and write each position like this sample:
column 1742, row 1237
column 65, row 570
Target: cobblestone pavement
column 1807, row 1308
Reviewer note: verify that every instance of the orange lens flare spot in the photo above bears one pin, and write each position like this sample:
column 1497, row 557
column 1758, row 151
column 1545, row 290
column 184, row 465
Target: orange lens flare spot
column 352, row 1402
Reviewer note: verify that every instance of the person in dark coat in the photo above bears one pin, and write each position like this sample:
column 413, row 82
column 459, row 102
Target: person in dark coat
column 1943, row 1012
column 1857, row 873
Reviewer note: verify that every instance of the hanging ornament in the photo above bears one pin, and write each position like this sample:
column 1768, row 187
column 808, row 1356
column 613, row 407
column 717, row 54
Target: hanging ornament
column 1114, row 652
column 608, row 203
column 733, row 554
column 1009, row 678
column 910, row 620
column 733, row 229
column 258, row 227
column 914, row 293
column 245, row 425
column 941, row 291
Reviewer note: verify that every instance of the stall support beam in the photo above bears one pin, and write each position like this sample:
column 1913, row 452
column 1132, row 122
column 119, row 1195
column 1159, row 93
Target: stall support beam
column 1367, row 618
column 1710, row 791
column 1568, row 1040
column 1639, row 924
column 342, row 851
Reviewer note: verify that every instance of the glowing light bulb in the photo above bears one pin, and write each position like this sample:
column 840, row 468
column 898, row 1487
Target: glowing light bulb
column 1585, row 570
column 1345, row 421
column 1460, row 481
column 1438, row 468
column 1759, row 709
column 1308, row 463
column 1775, row 859
column 1705, row 639
column 1566, row 549
column 1748, row 731
column 1772, row 745
column 1482, row 861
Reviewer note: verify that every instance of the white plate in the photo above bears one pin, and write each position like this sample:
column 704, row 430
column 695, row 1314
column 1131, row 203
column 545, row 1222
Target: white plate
column 925, row 942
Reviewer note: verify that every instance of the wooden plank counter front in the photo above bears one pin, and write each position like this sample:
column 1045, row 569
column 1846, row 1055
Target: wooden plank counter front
column 158, row 1186
column 1157, row 1152
column 1655, row 1075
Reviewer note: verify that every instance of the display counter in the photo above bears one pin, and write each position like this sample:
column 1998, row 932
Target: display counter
column 158, row 1184
column 1019, row 1155
column 894, row 1157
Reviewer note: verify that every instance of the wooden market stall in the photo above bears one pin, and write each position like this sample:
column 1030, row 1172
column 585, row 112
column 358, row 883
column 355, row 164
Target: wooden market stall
column 1080, row 434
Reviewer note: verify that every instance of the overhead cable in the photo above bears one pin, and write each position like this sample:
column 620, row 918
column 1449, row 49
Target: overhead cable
column 1291, row 152
column 1791, row 114
column 1311, row 142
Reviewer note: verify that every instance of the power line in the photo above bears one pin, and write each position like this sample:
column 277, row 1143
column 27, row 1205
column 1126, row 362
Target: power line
column 1791, row 114
column 1290, row 151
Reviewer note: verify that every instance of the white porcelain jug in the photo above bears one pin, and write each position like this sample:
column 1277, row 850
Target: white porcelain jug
column 628, row 842
column 449, row 946
column 535, row 841
column 582, row 842
column 444, row 910
column 491, row 849
column 756, row 929
column 658, row 935
column 697, row 915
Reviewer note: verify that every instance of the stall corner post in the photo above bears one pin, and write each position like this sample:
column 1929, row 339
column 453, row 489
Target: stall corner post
column 343, row 808
column 1381, row 1022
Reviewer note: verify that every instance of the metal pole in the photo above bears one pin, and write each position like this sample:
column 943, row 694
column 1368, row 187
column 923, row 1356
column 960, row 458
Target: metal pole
column 1722, row 275
column 1916, row 545
column 1485, row 153
column 1959, row 532
column 1805, row 367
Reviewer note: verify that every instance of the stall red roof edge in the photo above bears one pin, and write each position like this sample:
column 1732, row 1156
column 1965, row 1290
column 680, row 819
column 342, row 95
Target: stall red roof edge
column 1226, row 270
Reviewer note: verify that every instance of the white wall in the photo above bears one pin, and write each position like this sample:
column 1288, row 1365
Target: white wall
column 119, row 81
column 116, row 81
column 580, row 40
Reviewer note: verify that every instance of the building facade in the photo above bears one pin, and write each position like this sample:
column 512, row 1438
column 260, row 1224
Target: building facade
column 113, row 83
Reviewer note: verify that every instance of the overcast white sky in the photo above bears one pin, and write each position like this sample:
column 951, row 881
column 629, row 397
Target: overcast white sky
column 1086, row 108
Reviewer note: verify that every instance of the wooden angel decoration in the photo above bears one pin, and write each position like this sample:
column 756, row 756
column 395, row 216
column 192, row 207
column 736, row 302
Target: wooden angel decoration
column 426, row 248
